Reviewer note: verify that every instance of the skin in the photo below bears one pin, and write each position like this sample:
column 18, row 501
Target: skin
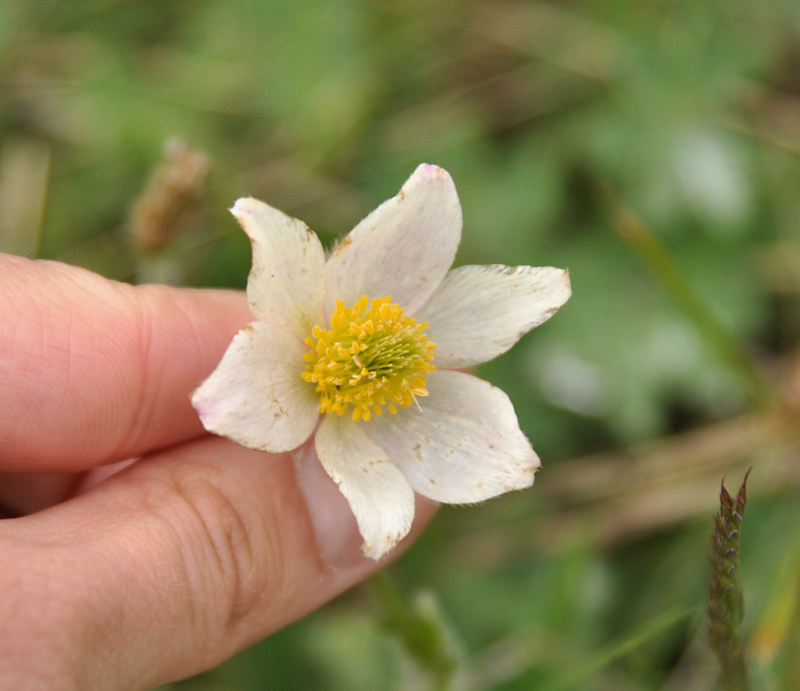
column 118, row 574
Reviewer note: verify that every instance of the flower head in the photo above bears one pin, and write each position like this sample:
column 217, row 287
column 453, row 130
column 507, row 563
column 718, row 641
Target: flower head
column 371, row 339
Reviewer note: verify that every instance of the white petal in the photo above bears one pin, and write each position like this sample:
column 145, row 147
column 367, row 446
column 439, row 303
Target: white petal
column 285, row 283
column 479, row 312
column 380, row 497
column 403, row 248
column 464, row 445
column 256, row 395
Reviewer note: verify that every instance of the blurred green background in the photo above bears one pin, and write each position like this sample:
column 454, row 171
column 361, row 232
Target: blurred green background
column 650, row 147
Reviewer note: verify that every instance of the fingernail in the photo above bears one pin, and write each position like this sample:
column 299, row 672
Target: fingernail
column 335, row 527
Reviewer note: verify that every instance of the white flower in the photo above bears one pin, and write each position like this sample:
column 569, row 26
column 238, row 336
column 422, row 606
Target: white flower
column 371, row 339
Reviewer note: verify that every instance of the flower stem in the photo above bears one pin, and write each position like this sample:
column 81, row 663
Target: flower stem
column 421, row 630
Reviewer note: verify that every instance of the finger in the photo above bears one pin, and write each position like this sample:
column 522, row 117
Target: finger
column 94, row 370
column 22, row 493
column 171, row 566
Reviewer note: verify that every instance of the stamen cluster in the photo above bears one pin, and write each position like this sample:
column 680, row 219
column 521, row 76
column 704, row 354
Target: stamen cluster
column 372, row 356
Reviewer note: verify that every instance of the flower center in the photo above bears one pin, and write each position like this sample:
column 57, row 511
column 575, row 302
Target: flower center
column 372, row 356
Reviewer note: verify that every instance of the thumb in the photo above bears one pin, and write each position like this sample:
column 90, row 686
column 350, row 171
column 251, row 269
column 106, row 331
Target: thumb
column 171, row 566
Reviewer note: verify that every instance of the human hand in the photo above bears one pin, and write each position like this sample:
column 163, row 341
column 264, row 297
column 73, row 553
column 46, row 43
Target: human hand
column 119, row 574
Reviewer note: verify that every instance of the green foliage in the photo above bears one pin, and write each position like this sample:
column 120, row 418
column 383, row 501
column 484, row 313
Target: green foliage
column 683, row 113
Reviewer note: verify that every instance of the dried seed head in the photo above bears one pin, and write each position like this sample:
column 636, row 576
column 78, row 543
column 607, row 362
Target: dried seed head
column 172, row 191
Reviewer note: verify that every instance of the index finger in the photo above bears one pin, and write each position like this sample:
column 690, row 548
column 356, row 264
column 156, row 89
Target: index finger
column 93, row 371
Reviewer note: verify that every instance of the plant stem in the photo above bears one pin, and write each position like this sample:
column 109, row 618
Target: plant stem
column 420, row 630
column 635, row 233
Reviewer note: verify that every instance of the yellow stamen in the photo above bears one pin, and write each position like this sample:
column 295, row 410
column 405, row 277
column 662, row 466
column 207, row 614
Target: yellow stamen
column 372, row 356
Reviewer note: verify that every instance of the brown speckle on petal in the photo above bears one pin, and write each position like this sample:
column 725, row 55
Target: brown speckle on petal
column 344, row 243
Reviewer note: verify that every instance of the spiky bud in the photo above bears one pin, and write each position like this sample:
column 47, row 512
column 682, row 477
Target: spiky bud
column 725, row 599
